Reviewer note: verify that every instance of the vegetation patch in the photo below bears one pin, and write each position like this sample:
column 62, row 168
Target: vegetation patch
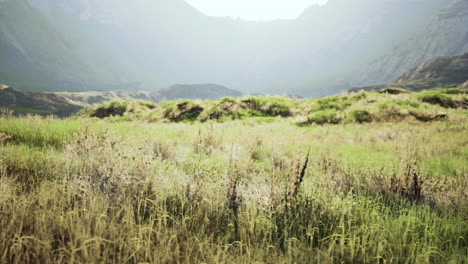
column 426, row 117
column 359, row 116
column 361, row 107
column 182, row 111
column 437, row 99
column 394, row 90
column 125, row 109
column 330, row 116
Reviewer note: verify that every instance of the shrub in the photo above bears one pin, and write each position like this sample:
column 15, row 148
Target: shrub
column 438, row 98
column 359, row 116
column 324, row 117
column 427, row 117
column 269, row 106
column 390, row 112
column 359, row 96
column 338, row 102
column 114, row 108
column 183, row 111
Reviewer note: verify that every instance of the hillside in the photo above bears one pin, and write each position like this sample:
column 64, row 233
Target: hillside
column 438, row 72
column 39, row 103
column 445, row 35
column 35, row 55
column 442, row 72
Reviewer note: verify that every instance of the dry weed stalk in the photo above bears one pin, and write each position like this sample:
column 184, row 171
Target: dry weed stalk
column 296, row 177
column 206, row 143
column 233, row 197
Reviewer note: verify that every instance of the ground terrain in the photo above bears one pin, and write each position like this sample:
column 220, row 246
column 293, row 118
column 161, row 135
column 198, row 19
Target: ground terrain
column 356, row 178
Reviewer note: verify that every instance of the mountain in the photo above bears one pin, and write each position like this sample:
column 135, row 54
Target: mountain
column 439, row 72
column 328, row 43
column 79, row 45
column 67, row 103
column 445, row 35
column 35, row 102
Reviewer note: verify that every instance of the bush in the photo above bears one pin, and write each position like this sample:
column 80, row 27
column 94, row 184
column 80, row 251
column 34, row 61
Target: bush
column 426, row 117
column 338, row 103
column 269, row 106
column 390, row 112
column 120, row 110
column 359, row 96
column 114, row 108
column 324, row 117
column 438, row 98
column 183, row 111
column 359, row 116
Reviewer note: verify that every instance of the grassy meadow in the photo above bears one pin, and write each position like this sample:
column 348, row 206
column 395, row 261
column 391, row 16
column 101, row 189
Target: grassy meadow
column 356, row 178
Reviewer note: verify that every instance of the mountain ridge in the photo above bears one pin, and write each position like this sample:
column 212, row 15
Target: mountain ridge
column 137, row 46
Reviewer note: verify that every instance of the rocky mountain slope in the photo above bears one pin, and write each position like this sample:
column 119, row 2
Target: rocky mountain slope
column 439, row 72
column 445, row 35
column 36, row 102
column 117, row 44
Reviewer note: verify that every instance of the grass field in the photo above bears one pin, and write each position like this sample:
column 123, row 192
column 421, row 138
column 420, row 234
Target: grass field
column 272, row 185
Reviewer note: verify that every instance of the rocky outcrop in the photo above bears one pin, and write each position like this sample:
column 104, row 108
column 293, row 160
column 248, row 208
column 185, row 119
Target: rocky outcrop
column 439, row 72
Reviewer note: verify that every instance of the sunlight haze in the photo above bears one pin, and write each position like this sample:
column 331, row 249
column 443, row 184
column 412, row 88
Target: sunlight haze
column 254, row 9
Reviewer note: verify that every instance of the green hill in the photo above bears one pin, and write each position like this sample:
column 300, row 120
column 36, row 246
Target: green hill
column 346, row 108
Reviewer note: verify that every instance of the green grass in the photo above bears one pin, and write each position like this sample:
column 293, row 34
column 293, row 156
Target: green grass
column 29, row 110
column 39, row 132
column 127, row 189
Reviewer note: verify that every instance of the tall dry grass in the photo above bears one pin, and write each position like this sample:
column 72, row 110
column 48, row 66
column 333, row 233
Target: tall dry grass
column 74, row 191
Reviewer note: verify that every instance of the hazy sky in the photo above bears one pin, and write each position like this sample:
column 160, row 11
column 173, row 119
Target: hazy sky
column 254, row 9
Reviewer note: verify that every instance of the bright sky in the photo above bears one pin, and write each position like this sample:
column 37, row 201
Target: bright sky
column 254, row 9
